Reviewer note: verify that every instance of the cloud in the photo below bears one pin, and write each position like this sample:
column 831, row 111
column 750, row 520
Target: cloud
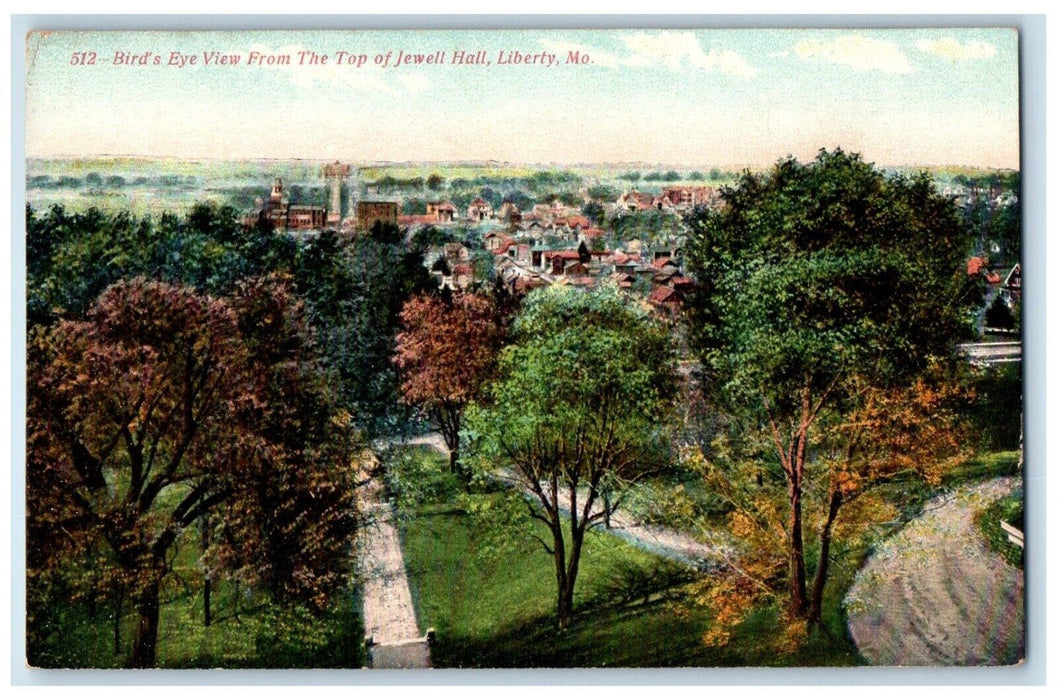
column 953, row 50
column 673, row 49
column 857, row 52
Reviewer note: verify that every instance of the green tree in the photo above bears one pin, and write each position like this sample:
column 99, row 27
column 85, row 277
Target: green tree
column 580, row 406
column 355, row 290
column 595, row 212
column 813, row 280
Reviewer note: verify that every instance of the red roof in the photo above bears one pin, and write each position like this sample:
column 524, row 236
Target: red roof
column 662, row 295
column 593, row 232
column 660, row 263
column 580, row 221
column 682, row 282
column 564, row 254
column 975, row 265
column 462, row 269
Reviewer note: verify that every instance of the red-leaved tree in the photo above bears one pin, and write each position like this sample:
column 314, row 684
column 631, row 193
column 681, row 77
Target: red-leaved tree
column 446, row 351
column 159, row 412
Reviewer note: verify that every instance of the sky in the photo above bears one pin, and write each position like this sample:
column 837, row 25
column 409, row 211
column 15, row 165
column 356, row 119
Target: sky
column 700, row 98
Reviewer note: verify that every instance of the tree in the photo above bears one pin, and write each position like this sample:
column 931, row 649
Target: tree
column 999, row 315
column 156, row 413
column 446, row 351
column 355, row 290
column 813, row 276
column 866, row 453
column 595, row 212
column 580, row 406
column 434, row 182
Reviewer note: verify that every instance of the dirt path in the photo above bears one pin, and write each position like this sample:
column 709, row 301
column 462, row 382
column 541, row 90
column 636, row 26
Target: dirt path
column 666, row 542
column 388, row 612
column 934, row 594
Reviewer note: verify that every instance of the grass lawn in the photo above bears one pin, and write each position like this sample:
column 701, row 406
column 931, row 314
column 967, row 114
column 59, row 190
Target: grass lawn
column 489, row 591
column 262, row 635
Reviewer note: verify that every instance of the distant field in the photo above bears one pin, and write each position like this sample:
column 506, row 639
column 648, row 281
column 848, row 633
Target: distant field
column 143, row 185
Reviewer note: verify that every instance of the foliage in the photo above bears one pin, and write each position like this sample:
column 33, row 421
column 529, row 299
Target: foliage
column 795, row 321
column 419, row 477
column 434, row 181
column 999, row 315
column 649, row 225
column 302, row 637
column 152, row 415
column 446, row 352
column 1011, row 510
column 355, row 290
column 72, row 257
column 595, row 212
column 996, row 414
column 579, row 405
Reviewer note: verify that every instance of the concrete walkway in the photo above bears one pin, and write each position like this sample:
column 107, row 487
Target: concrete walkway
column 388, row 612
column 935, row 594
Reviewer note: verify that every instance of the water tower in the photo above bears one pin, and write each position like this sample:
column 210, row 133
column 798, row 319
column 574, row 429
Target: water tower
column 335, row 174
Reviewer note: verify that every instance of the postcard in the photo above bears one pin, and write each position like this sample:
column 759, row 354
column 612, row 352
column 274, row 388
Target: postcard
column 524, row 348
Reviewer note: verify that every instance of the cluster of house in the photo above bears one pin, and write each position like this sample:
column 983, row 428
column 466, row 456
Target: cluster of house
column 558, row 216
column 524, row 264
column 680, row 199
column 574, row 252
column 282, row 215
column 963, row 196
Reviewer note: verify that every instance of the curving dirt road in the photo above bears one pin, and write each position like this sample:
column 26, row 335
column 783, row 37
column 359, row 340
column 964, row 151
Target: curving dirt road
column 934, row 594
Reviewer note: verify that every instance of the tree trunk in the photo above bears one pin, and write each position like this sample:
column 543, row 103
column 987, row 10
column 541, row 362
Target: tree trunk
column 144, row 652
column 566, row 589
column 453, row 458
column 797, row 575
column 449, row 419
column 206, row 525
column 815, row 616
column 565, row 608
column 565, row 605
column 206, row 593
column 119, row 605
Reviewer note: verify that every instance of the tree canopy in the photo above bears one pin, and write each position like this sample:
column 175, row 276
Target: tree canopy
column 814, row 279
column 579, row 407
column 446, row 351
column 165, row 406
